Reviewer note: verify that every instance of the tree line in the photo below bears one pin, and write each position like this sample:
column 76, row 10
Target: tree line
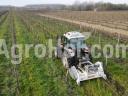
column 100, row 6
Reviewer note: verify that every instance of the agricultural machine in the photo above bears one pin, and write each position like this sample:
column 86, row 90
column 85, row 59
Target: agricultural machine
column 76, row 57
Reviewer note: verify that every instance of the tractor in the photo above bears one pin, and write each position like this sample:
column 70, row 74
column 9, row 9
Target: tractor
column 76, row 57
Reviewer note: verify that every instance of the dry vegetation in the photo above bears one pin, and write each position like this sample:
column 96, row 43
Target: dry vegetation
column 113, row 19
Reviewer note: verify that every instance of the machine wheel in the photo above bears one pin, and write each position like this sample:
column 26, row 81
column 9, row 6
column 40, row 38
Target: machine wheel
column 65, row 62
column 57, row 53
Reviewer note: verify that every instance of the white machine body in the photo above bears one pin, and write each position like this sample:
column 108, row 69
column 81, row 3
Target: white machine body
column 76, row 58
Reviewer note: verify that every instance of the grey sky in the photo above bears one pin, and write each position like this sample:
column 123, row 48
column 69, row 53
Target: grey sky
column 26, row 2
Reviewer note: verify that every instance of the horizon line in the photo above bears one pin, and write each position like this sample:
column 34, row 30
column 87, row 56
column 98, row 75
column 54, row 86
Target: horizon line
column 4, row 5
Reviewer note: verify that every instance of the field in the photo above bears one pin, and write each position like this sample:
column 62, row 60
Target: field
column 47, row 76
column 112, row 22
column 118, row 20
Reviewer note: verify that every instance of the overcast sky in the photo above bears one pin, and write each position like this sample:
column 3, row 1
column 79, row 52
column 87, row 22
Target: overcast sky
column 26, row 2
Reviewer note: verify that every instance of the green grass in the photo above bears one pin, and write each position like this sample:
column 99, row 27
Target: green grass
column 56, row 83
column 47, row 76
column 6, row 78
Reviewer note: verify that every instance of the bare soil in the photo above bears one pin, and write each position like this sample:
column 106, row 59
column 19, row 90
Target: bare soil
column 123, row 33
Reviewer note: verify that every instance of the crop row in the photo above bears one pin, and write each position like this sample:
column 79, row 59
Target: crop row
column 39, row 25
column 46, row 76
column 118, row 20
column 7, row 80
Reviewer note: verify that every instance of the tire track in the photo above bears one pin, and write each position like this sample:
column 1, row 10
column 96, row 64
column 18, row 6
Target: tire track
column 15, row 72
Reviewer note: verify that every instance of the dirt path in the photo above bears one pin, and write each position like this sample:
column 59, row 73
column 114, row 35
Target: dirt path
column 123, row 33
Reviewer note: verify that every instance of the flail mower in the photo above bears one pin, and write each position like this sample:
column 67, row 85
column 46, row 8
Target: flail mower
column 76, row 57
